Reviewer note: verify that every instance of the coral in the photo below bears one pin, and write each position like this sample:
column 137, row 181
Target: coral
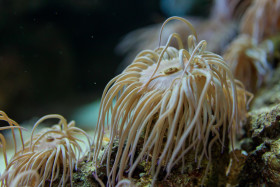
column 177, row 100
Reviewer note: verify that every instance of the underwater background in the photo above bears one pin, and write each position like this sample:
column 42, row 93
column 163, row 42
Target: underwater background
column 56, row 57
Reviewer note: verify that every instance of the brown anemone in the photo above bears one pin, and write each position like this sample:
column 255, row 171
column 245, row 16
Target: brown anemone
column 49, row 152
column 248, row 61
column 177, row 100
column 12, row 125
column 261, row 19
column 4, row 143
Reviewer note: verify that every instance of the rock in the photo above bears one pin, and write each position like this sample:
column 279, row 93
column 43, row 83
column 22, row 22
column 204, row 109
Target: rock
column 262, row 138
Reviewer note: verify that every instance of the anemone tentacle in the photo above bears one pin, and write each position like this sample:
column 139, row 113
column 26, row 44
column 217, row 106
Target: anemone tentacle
column 173, row 101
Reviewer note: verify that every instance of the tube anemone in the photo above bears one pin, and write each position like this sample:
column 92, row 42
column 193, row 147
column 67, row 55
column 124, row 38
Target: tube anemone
column 49, row 152
column 12, row 125
column 262, row 19
column 177, row 100
column 248, row 61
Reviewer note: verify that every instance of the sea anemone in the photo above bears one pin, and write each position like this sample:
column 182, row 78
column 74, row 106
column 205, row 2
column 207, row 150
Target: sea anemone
column 177, row 100
column 4, row 143
column 49, row 152
column 262, row 19
column 12, row 125
column 248, row 61
column 226, row 10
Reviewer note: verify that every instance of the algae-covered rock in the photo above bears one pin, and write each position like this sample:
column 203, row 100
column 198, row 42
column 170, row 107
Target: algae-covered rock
column 271, row 160
column 262, row 138
column 187, row 174
column 82, row 177
column 264, row 124
column 262, row 165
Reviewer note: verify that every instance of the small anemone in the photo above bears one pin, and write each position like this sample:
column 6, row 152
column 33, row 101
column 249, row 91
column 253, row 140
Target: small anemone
column 261, row 19
column 12, row 123
column 248, row 61
column 176, row 100
column 3, row 144
column 50, row 151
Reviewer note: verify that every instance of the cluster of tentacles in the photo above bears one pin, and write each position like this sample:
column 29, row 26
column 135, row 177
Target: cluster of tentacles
column 248, row 61
column 177, row 100
column 261, row 19
column 49, row 155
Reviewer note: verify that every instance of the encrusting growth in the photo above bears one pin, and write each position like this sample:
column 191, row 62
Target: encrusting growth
column 177, row 100
column 51, row 152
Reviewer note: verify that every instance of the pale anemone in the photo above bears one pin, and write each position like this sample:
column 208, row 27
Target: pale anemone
column 3, row 143
column 177, row 100
column 51, row 152
column 248, row 61
column 12, row 124
column 261, row 19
